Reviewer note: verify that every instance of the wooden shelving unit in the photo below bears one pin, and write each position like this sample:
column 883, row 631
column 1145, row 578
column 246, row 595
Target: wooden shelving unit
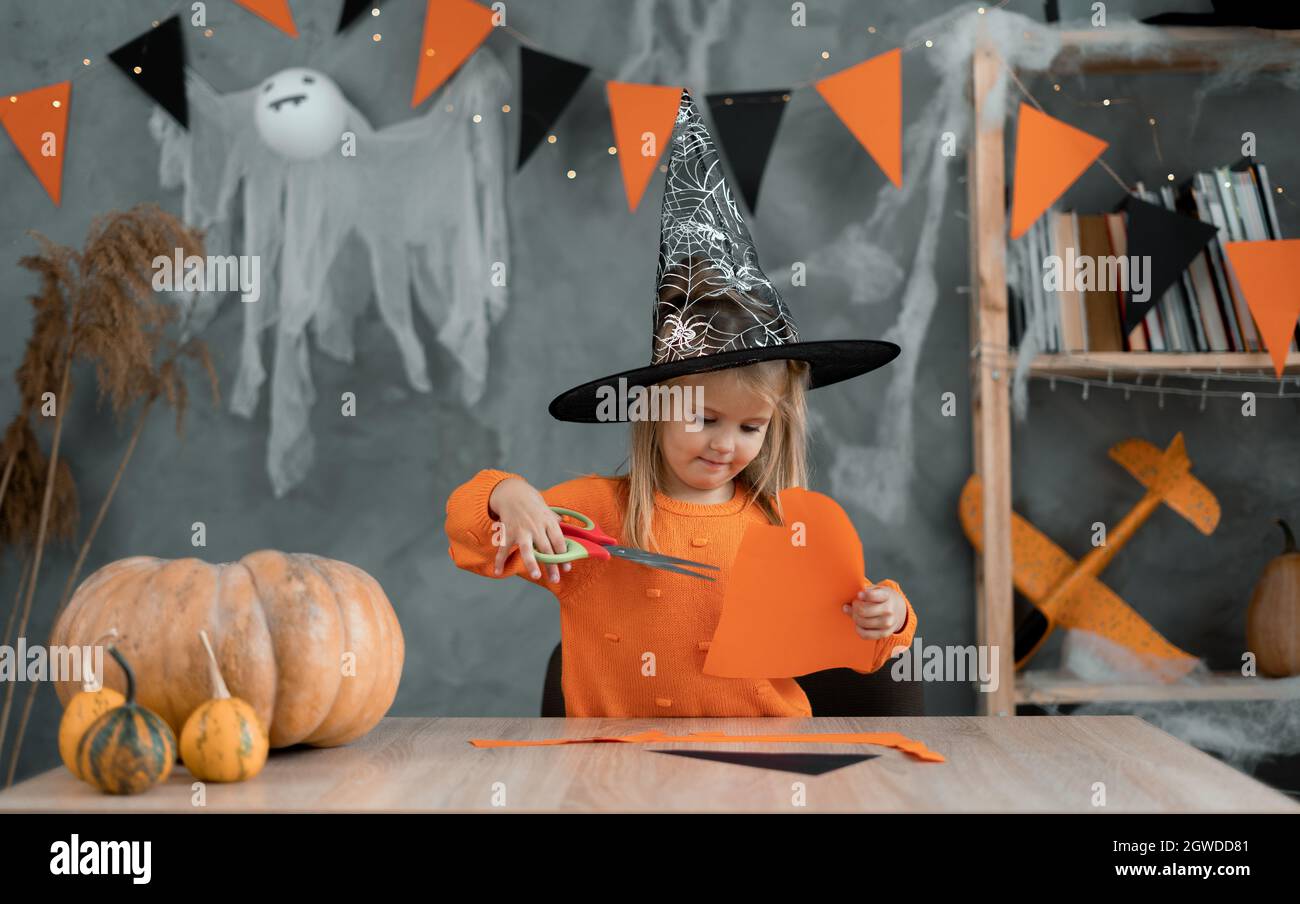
column 1093, row 364
column 1091, row 50
column 1051, row 686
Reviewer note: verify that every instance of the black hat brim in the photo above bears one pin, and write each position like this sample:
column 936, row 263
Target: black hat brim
column 831, row 361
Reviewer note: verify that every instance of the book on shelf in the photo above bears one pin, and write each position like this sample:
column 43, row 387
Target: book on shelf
column 1069, row 274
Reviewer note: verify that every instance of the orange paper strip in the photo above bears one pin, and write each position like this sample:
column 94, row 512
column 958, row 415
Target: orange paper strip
column 635, row 110
column 37, row 121
column 274, row 11
column 782, row 614
column 453, row 29
column 1269, row 276
column 868, row 98
column 1050, row 155
column 893, row 739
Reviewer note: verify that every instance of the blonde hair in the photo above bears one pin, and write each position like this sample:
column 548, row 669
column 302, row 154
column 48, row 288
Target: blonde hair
column 781, row 462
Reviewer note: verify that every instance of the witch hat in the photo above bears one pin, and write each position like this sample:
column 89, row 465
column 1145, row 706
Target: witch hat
column 715, row 308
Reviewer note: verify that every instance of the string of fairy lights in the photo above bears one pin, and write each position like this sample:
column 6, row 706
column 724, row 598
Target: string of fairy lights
column 89, row 65
column 1080, row 361
column 998, row 357
column 1274, row 387
column 783, row 96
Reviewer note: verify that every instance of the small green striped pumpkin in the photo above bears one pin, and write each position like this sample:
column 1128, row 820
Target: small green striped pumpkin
column 128, row 749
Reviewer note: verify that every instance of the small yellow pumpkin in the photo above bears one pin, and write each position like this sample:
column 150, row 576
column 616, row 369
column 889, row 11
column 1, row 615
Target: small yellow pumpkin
column 223, row 739
column 128, row 749
column 93, row 700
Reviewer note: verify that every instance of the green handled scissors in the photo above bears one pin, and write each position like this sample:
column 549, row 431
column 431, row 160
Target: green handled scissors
column 590, row 542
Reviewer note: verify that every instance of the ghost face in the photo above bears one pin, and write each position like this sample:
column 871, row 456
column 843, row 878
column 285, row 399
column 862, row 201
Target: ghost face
column 300, row 113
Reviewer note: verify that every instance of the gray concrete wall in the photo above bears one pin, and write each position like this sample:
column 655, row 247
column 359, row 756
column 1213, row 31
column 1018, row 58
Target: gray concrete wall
column 376, row 495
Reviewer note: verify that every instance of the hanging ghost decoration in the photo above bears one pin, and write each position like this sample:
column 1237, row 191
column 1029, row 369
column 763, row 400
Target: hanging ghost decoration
column 307, row 181
column 300, row 113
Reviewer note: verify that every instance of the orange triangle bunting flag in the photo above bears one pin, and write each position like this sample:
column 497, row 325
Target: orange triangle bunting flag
column 453, row 29
column 1269, row 276
column 1050, row 155
column 642, row 118
column 37, row 121
column 274, row 11
column 868, row 98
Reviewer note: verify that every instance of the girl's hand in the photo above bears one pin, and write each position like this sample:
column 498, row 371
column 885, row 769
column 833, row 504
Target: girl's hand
column 878, row 611
column 525, row 520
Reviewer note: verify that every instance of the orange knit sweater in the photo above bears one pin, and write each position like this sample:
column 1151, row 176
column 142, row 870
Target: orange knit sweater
column 612, row 614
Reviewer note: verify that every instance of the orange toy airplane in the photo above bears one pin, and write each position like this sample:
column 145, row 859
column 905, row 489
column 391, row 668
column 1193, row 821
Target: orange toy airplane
column 1069, row 594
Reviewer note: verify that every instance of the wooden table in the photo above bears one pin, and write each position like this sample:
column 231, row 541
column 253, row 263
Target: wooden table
column 1010, row 763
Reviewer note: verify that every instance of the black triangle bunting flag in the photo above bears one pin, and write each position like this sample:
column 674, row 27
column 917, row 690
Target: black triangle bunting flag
column 159, row 55
column 783, row 761
column 547, row 83
column 746, row 126
column 1171, row 240
column 352, row 9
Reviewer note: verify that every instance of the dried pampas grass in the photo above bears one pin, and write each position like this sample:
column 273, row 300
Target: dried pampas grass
column 95, row 305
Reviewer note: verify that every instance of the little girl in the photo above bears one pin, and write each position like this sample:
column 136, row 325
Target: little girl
column 634, row 638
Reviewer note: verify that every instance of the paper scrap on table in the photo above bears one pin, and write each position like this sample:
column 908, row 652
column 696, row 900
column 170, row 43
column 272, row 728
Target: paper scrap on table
column 880, row 738
column 783, row 610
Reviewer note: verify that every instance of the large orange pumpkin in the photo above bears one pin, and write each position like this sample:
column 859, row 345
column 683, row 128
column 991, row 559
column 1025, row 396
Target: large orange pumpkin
column 282, row 625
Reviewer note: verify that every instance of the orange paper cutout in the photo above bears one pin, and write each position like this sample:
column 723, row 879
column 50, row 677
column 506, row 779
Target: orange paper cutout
column 1050, row 156
column 868, row 98
column 28, row 117
column 893, row 739
column 635, row 109
column 274, row 11
column 453, row 29
column 782, row 614
column 1269, row 276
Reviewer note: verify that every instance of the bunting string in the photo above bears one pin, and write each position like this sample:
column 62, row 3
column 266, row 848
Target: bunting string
column 1101, row 161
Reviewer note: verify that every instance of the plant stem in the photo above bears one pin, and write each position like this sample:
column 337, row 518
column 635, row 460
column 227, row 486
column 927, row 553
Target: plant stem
column 219, row 689
column 4, row 480
column 4, row 485
column 72, row 577
column 62, row 398
column 18, row 595
column 103, row 507
column 13, row 613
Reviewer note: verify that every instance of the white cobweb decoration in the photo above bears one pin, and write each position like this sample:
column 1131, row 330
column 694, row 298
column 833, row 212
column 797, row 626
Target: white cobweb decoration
column 426, row 200
column 1243, row 732
column 879, row 477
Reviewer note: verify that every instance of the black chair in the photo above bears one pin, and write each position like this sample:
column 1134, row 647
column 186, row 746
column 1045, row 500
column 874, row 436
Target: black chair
column 833, row 692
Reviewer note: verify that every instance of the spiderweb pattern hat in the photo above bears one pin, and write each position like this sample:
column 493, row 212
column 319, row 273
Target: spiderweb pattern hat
column 714, row 307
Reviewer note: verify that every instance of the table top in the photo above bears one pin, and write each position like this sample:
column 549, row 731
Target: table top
column 1008, row 763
